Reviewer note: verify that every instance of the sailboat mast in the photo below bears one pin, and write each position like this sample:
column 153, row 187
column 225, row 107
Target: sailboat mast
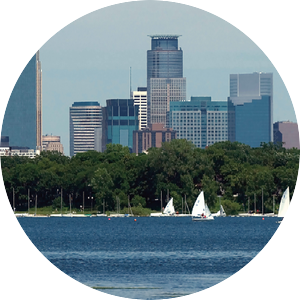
column 83, row 201
column 70, row 202
column 262, row 201
column 14, row 206
column 35, row 203
column 28, row 200
column 61, row 196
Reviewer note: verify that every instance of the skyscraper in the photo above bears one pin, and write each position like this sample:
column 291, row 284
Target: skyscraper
column 165, row 81
column 85, row 117
column 201, row 120
column 120, row 119
column 140, row 99
column 252, row 98
column 22, row 121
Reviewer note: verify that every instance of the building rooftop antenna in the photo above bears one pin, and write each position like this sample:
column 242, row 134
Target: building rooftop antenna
column 130, row 95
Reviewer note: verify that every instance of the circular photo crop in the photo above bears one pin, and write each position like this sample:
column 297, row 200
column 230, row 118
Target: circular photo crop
column 149, row 150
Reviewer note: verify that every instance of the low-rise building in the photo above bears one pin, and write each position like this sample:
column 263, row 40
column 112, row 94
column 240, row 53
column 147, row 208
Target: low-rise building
column 152, row 136
column 286, row 133
column 52, row 143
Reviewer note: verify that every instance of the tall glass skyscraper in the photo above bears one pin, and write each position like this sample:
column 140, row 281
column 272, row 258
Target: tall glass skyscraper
column 85, row 118
column 252, row 98
column 120, row 119
column 22, row 121
column 165, row 81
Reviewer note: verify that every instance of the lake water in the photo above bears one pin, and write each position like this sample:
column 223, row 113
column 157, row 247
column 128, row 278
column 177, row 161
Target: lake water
column 150, row 258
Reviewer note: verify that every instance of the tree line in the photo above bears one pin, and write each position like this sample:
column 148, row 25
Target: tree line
column 233, row 173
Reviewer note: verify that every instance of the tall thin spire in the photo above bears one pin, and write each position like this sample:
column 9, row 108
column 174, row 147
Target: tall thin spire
column 130, row 95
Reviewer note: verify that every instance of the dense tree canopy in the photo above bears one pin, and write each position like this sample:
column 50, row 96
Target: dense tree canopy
column 233, row 171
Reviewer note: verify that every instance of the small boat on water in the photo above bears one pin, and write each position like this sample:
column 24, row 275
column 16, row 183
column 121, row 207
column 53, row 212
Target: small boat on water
column 168, row 211
column 200, row 210
column 220, row 213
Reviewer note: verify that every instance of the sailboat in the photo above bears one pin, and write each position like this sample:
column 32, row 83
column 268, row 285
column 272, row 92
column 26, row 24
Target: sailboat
column 169, row 210
column 284, row 203
column 200, row 210
column 220, row 213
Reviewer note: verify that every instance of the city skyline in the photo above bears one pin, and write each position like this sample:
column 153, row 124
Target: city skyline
column 78, row 68
column 23, row 37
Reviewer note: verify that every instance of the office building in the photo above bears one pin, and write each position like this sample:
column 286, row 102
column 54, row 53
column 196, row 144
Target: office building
column 52, row 143
column 152, row 136
column 22, row 121
column 165, row 81
column 120, row 119
column 286, row 133
column 25, row 152
column 140, row 99
column 201, row 120
column 4, row 141
column 85, row 117
column 252, row 98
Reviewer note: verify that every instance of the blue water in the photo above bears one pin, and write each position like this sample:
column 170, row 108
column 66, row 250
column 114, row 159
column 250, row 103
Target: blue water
column 150, row 258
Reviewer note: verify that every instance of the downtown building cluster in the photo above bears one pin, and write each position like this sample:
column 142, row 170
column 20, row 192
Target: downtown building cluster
column 151, row 115
column 161, row 111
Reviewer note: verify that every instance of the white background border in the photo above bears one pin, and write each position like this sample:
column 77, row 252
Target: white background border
column 27, row 25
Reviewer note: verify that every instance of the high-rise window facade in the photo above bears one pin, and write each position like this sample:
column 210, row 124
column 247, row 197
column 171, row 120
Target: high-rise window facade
column 85, row 117
column 252, row 122
column 140, row 99
column 120, row 119
column 22, row 121
column 252, row 98
column 201, row 120
column 165, row 81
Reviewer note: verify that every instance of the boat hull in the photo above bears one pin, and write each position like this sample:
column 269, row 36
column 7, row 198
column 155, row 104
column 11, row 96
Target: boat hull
column 195, row 218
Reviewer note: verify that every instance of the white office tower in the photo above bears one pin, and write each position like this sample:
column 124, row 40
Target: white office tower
column 140, row 99
column 85, row 118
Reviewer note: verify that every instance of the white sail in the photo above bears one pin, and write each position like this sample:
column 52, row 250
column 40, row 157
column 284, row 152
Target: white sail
column 200, row 210
column 207, row 211
column 284, row 203
column 222, row 211
column 199, row 206
column 169, row 210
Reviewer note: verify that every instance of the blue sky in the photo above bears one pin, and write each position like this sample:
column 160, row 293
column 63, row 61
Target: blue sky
column 90, row 58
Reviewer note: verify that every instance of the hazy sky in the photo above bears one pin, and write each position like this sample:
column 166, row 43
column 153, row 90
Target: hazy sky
column 90, row 58
column 26, row 24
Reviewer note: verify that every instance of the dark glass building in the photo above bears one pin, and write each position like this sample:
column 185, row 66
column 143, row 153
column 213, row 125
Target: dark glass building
column 22, row 119
column 120, row 119
column 165, row 82
column 246, row 90
column 253, row 122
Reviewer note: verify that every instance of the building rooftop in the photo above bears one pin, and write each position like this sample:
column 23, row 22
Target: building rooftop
column 165, row 36
column 86, row 103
